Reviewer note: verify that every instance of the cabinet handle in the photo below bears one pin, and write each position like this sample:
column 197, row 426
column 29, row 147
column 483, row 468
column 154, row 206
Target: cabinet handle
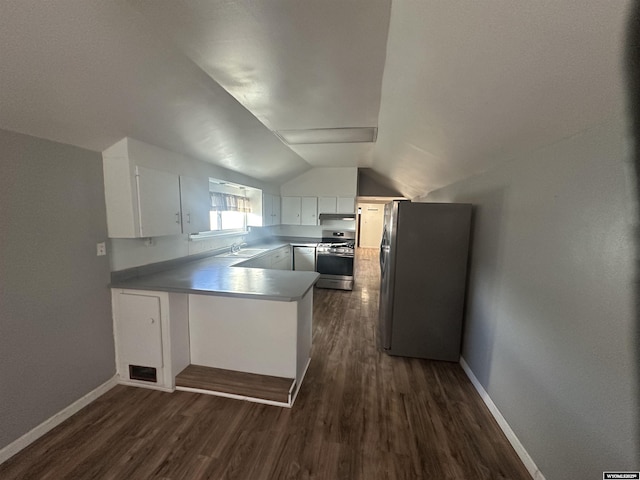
column 188, row 218
column 178, row 217
column 152, row 320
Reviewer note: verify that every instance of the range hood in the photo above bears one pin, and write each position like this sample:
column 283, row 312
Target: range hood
column 337, row 216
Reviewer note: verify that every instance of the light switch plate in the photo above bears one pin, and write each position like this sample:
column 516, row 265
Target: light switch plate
column 101, row 249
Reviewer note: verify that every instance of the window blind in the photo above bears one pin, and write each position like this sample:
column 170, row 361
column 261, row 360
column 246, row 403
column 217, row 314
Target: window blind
column 226, row 202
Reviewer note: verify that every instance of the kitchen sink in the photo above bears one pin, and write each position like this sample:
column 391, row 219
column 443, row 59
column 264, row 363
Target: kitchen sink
column 245, row 253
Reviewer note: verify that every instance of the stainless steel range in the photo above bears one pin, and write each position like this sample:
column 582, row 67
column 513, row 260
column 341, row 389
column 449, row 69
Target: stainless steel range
column 334, row 259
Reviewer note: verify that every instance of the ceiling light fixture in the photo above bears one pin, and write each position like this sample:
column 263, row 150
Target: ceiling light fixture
column 328, row 135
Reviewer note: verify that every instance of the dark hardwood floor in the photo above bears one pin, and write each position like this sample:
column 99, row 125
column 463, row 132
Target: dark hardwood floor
column 360, row 414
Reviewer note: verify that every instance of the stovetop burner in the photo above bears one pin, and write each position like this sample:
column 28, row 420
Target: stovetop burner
column 337, row 245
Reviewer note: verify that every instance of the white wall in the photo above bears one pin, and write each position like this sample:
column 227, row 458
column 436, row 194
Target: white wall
column 56, row 333
column 550, row 328
column 134, row 252
column 323, row 182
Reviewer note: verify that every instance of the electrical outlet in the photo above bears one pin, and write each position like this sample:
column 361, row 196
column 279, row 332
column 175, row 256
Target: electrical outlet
column 101, row 249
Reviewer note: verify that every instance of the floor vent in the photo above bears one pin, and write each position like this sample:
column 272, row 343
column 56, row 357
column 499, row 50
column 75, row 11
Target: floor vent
column 145, row 374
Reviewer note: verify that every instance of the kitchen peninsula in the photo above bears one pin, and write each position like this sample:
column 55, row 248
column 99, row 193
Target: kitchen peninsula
column 215, row 326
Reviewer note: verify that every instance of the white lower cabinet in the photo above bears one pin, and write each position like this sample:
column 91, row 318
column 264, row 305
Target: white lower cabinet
column 263, row 261
column 139, row 330
column 151, row 337
column 281, row 258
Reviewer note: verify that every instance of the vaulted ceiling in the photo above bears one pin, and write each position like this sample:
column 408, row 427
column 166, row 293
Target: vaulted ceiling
column 454, row 87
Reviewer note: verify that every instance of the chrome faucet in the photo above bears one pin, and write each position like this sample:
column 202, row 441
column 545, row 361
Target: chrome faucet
column 236, row 247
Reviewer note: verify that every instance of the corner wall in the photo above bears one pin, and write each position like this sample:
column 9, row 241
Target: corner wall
column 550, row 329
column 56, row 335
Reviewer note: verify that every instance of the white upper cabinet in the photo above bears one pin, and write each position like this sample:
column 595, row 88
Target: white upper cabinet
column 276, row 210
column 147, row 202
column 346, row 205
column 327, row 204
column 300, row 210
column 159, row 203
column 270, row 210
column 195, row 204
column 335, row 189
column 291, row 210
column 309, row 211
column 336, row 204
column 267, row 206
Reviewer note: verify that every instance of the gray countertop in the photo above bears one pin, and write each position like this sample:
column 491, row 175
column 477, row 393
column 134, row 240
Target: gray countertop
column 217, row 275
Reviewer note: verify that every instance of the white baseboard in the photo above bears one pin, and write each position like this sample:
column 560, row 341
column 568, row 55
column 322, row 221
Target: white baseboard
column 299, row 384
column 528, row 462
column 234, row 396
column 148, row 386
column 32, row 435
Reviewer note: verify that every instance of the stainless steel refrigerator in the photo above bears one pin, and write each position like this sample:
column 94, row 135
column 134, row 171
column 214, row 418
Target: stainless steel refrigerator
column 423, row 263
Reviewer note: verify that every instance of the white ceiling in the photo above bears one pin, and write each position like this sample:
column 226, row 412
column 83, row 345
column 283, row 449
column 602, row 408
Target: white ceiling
column 470, row 84
column 454, row 87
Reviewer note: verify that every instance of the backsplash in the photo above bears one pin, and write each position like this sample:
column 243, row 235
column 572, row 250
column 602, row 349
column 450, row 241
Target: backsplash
column 134, row 252
column 125, row 253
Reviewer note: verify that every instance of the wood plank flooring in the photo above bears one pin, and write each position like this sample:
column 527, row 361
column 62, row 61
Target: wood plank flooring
column 360, row 414
column 237, row 383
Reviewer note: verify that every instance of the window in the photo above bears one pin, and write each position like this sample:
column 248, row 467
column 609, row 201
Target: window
column 233, row 208
column 229, row 211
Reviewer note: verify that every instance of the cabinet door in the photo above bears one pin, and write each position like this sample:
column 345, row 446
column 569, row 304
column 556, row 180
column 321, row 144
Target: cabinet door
column 281, row 259
column 158, row 202
column 195, row 204
column 275, row 211
column 327, row 204
column 346, row 205
column 270, row 210
column 291, row 210
column 262, row 262
column 309, row 211
column 139, row 332
column 267, row 209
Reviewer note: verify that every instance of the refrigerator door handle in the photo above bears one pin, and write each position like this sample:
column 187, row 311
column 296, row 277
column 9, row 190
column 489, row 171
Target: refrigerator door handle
column 383, row 243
